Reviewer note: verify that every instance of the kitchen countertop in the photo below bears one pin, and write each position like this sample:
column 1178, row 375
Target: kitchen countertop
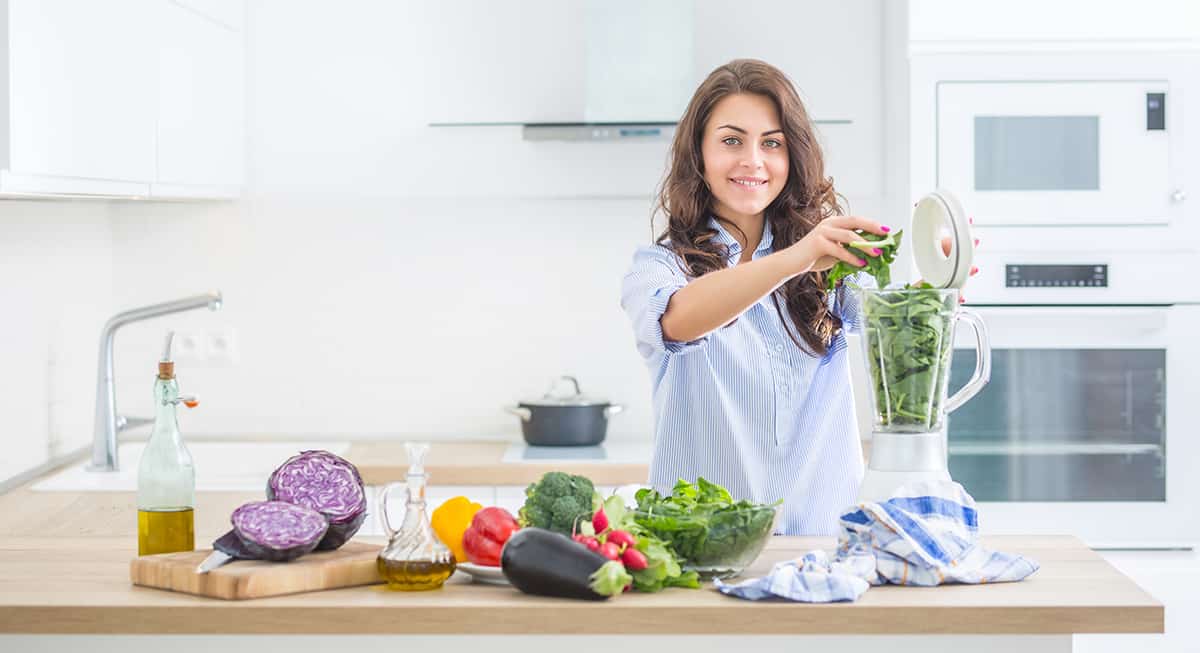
column 64, row 569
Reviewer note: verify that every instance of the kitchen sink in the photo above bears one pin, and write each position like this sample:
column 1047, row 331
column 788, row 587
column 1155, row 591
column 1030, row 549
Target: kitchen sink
column 220, row 466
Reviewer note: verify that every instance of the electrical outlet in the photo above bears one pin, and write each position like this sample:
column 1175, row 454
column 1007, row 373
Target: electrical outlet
column 188, row 347
column 221, row 346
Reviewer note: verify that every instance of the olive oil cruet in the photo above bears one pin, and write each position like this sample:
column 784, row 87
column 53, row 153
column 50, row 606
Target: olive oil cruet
column 166, row 480
column 414, row 559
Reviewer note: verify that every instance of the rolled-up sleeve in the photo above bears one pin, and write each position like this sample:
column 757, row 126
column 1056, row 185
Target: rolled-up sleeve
column 645, row 292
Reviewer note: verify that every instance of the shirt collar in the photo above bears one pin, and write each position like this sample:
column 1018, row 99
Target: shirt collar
column 735, row 249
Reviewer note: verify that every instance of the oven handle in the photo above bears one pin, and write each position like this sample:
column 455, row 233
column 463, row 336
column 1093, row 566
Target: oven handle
column 983, row 362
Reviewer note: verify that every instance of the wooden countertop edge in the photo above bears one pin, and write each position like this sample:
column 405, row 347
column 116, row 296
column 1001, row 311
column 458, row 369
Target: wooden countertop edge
column 575, row 618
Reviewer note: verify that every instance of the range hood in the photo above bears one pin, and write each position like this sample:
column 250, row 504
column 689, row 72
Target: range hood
column 629, row 70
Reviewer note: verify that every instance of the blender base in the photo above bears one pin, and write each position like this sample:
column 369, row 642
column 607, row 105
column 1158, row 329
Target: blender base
column 879, row 485
column 898, row 458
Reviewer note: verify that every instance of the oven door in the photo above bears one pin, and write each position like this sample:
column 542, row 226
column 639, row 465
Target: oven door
column 1056, row 152
column 1085, row 427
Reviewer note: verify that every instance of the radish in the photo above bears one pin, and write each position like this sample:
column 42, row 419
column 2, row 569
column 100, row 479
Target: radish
column 634, row 560
column 623, row 539
column 591, row 543
column 580, row 537
column 600, row 521
column 611, row 551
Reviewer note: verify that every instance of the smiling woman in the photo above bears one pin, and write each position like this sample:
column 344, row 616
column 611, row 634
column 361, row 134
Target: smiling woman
column 730, row 310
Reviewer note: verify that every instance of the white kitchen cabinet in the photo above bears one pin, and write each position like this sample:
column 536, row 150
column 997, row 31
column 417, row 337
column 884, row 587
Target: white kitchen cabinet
column 201, row 99
column 506, row 61
column 121, row 98
column 79, row 104
column 954, row 25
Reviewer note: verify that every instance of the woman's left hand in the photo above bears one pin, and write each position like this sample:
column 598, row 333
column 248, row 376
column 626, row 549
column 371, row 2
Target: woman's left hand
column 946, row 245
column 974, row 268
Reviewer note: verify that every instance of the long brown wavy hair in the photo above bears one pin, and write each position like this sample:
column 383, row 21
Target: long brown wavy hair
column 806, row 199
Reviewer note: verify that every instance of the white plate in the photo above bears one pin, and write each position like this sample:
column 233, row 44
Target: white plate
column 484, row 574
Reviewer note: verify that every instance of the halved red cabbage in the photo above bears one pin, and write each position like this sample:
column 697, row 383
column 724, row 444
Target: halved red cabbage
column 278, row 530
column 326, row 483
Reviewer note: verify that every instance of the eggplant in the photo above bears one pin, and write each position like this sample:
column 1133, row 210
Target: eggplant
column 538, row 561
column 327, row 483
column 277, row 530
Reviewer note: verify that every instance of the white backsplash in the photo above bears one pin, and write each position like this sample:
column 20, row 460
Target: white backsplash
column 56, row 292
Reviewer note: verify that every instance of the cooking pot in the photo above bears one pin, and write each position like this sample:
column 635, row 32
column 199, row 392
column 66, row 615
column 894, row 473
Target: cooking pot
column 557, row 420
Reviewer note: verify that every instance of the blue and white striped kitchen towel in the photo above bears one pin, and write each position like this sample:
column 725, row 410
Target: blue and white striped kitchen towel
column 925, row 534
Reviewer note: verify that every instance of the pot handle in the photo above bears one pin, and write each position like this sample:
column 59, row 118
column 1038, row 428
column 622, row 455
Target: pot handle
column 524, row 413
column 609, row 411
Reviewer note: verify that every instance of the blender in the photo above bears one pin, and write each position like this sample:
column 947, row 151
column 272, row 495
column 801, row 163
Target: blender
column 908, row 340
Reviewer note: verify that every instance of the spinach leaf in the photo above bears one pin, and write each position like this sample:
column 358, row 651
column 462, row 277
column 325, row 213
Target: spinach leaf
column 878, row 267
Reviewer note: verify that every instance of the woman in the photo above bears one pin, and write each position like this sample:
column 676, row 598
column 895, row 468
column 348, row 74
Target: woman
column 746, row 348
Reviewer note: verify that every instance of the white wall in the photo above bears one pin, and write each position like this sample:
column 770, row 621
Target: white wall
column 384, row 277
column 56, row 291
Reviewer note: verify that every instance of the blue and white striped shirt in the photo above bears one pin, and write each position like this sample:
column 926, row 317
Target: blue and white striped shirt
column 745, row 407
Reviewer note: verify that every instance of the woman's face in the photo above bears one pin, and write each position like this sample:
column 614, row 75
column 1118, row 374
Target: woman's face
column 745, row 157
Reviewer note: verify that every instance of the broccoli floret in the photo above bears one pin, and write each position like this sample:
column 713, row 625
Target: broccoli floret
column 556, row 501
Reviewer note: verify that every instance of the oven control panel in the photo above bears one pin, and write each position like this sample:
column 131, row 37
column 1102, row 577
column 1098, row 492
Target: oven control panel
column 1056, row 276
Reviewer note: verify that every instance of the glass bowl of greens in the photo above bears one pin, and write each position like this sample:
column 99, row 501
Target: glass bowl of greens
column 711, row 533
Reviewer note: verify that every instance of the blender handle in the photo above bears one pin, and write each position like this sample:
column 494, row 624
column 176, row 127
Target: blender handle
column 983, row 363
column 383, row 512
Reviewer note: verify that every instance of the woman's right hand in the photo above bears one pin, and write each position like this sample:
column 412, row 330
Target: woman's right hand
column 824, row 246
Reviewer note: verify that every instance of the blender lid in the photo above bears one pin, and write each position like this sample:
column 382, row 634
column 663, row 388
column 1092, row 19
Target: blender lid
column 936, row 215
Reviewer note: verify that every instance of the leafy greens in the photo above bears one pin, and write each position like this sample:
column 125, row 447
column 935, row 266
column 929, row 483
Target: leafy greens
column 703, row 524
column 909, row 335
column 878, row 267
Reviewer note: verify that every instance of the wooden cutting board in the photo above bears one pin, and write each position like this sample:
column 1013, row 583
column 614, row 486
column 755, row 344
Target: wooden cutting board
column 352, row 564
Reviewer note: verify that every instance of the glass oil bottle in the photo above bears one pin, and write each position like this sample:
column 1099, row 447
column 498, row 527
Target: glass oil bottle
column 414, row 559
column 166, row 488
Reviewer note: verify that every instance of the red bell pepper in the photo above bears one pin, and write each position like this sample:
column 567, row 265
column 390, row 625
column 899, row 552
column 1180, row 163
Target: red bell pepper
column 490, row 528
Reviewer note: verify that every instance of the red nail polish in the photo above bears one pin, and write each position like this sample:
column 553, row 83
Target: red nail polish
column 876, row 251
column 885, row 228
column 974, row 269
column 976, row 241
column 970, row 220
column 862, row 262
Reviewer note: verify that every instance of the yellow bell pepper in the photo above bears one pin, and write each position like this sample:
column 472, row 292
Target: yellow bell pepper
column 451, row 520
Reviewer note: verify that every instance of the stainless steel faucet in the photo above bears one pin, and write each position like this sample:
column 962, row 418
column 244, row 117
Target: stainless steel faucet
column 108, row 423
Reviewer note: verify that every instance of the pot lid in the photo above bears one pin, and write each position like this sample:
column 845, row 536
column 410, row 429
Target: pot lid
column 563, row 394
column 935, row 216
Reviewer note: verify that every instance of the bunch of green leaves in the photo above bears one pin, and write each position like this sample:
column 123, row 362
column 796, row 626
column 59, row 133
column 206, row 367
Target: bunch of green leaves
column 663, row 568
column 703, row 524
column 909, row 344
column 878, row 267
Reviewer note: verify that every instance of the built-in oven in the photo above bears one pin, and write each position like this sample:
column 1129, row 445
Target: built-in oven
column 1075, row 167
column 1087, row 425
